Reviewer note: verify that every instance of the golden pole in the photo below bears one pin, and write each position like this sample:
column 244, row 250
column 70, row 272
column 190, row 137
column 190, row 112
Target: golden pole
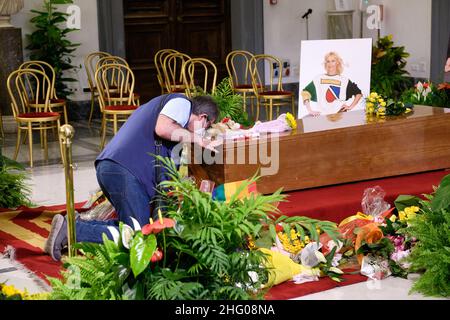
column 66, row 133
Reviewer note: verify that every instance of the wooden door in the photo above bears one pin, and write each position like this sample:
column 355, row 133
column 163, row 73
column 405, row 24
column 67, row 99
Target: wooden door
column 199, row 28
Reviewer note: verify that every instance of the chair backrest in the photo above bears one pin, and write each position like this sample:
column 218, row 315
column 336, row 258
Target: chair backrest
column 272, row 65
column 111, row 60
column 199, row 72
column 172, row 69
column 25, row 87
column 90, row 63
column 47, row 69
column 158, row 59
column 238, row 67
column 120, row 77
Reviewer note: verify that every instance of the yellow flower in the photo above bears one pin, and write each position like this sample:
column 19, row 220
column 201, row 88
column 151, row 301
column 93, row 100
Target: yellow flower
column 292, row 122
column 407, row 110
column 402, row 216
column 410, row 212
column 380, row 100
column 292, row 245
column 383, row 104
column 393, row 218
column 374, row 95
column 369, row 105
column 11, row 291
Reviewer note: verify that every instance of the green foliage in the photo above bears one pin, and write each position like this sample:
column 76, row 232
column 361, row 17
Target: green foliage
column 388, row 68
column 14, row 190
column 426, row 94
column 230, row 104
column 431, row 255
column 49, row 43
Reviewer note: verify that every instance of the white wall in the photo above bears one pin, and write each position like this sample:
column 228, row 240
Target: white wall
column 87, row 36
column 409, row 21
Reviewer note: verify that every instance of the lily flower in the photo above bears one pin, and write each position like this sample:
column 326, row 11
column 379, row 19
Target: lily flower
column 158, row 226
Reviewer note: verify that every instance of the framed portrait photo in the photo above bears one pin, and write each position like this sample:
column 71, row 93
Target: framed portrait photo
column 342, row 5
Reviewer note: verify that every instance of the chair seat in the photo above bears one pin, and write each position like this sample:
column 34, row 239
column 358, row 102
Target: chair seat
column 120, row 108
column 36, row 115
column 276, row 93
column 178, row 90
column 244, row 86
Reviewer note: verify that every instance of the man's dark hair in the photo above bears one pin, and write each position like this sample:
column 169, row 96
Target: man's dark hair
column 205, row 105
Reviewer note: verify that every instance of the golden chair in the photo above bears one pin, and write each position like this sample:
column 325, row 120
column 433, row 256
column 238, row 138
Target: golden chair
column 199, row 73
column 113, row 88
column 159, row 61
column 55, row 102
column 22, row 94
column 238, row 67
column 273, row 94
column 119, row 105
column 90, row 62
column 172, row 69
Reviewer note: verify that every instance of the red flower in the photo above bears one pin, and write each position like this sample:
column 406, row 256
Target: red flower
column 444, row 86
column 158, row 226
column 225, row 120
column 279, row 228
column 157, row 256
column 426, row 85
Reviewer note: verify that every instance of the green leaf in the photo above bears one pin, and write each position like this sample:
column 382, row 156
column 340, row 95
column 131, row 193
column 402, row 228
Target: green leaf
column 404, row 201
column 141, row 251
column 441, row 198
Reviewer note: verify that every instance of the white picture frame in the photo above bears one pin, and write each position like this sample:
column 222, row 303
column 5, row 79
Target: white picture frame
column 330, row 92
column 343, row 5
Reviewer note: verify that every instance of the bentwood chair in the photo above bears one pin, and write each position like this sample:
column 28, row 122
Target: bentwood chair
column 199, row 73
column 115, row 106
column 113, row 88
column 42, row 120
column 90, row 63
column 238, row 67
column 158, row 59
column 172, row 70
column 273, row 94
column 55, row 102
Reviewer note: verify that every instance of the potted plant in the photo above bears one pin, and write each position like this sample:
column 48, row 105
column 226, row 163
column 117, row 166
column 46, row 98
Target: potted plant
column 49, row 43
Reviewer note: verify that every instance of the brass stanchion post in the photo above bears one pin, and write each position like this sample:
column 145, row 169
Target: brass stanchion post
column 66, row 134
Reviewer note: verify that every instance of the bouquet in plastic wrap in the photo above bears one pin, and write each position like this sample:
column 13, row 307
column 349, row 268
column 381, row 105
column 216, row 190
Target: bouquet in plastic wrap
column 99, row 208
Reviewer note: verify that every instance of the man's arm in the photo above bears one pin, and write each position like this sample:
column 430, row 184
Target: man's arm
column 168, row 129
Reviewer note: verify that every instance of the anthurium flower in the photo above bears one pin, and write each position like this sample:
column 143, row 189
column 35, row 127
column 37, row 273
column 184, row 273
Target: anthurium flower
column 158, row 226
column 157, row 256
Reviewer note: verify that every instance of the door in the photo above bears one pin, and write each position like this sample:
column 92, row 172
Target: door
column 199, row 28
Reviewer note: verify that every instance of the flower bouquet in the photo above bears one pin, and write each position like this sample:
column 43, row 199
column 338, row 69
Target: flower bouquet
column 382, row 106
column 427, row 93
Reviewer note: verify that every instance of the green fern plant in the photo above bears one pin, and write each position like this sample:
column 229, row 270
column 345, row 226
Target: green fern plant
column 14, row 189
column 230, row 104
column 431, row 255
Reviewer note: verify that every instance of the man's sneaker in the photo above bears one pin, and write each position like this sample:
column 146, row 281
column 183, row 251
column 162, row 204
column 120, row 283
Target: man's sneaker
column 57, row 238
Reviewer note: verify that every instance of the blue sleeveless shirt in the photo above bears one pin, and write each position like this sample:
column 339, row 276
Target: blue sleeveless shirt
column 131, row 146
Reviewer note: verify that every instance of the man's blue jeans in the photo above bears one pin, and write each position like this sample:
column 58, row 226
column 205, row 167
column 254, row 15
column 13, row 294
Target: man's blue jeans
column 126, row 194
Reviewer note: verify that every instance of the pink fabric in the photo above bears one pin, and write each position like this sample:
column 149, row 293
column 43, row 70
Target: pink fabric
column 274, row 126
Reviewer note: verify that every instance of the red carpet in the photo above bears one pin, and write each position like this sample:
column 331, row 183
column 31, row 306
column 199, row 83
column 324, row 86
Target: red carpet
column 26, row 229
column 335, row 203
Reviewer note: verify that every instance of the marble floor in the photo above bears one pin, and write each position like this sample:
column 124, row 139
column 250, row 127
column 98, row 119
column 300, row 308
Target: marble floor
column 48, row 188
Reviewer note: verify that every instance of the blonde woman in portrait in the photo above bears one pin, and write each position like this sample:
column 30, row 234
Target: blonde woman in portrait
column 331, row 91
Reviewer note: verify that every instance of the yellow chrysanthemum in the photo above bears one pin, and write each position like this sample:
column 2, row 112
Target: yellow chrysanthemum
column 11, row 291
column 369, row 104
column 374, row 95
column 293, row 245
column 292, row 122
column 383, row 104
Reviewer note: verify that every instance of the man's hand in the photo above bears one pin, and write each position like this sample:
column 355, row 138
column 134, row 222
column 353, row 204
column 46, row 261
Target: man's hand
column 208, row 144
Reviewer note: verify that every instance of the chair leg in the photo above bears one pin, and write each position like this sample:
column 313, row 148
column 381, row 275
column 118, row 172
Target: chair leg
column 103, row 140
column 18, row 143
column 293, row 106
column 66, row 119
column 115, row 123
column 44, row 133
column 1, row 126
column 58, row 126
column 257, row 109
column 245, row 101
column 92, row 107
column 271, row 107
column 30, row 141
